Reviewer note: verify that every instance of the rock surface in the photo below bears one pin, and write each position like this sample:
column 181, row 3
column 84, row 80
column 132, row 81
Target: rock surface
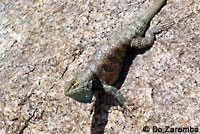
column 43, row 43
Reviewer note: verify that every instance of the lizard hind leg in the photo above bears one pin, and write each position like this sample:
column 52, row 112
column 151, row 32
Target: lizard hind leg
column 148, row 39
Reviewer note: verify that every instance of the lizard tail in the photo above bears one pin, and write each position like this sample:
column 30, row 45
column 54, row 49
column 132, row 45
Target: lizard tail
column 152, row 11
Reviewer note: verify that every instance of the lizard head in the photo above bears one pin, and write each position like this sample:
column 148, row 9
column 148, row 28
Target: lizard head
column 79, row 90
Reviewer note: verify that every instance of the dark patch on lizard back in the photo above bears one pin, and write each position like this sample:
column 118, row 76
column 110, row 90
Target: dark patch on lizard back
column 110, row 65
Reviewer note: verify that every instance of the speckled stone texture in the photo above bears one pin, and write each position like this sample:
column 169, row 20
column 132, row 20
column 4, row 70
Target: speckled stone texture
column 46, row 42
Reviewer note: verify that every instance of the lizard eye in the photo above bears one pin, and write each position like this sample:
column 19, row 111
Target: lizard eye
column 69, row 84
column 72, row 83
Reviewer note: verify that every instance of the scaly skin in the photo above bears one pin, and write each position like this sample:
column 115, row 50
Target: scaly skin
column 103, row 70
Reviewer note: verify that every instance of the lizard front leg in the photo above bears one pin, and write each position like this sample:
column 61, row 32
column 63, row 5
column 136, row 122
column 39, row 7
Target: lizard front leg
column 116, row 94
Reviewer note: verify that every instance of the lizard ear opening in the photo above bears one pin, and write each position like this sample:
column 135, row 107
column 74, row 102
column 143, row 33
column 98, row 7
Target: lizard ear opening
column 84, row 96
